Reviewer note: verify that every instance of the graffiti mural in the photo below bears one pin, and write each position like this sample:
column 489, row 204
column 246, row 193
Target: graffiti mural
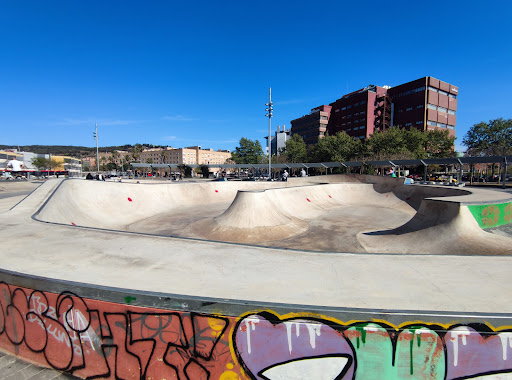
column 98, row 339
column 492, row 215
column 95, row 339
column 270, row 347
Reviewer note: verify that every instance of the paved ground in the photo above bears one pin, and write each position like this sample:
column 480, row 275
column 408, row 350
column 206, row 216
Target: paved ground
column 12, row 368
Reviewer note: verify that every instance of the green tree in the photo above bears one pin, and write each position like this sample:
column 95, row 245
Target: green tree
column 338, row 148
column 295, row 150
column 248, row 152
column 489, row 139
column 40, row 163
column 439, row 144
column 389, row 144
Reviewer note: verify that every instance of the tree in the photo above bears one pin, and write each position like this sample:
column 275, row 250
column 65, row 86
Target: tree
column 489, row 139
column 248, row 152
column 439, row 144
column 338, row 148
column 295, row 150
column 389, row 144
column 40, row 163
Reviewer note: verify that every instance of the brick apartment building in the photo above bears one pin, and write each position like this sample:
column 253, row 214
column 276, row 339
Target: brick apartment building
column 426, row 104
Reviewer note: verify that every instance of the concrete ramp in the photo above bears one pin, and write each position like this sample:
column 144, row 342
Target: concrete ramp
column 381, row 217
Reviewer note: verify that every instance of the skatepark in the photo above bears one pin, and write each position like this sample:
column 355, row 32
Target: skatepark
column 340, row 276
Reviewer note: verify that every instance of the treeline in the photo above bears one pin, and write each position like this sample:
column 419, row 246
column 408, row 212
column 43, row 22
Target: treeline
column 74, row 151
column 394, row 143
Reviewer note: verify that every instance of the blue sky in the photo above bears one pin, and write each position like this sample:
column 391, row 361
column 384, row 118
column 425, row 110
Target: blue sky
column 198, row 73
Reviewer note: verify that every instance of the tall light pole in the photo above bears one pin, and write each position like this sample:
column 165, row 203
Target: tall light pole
column 269, row 114
column 97, row 151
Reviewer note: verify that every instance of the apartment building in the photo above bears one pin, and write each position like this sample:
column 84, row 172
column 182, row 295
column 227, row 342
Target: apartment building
column 193, row 155
column 426, row 104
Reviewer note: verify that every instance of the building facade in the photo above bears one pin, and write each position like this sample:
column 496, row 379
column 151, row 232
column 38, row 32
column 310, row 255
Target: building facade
column 426, row 104
column 360, row 113
column 278, row 141
column 193, row 155
column 313, row 126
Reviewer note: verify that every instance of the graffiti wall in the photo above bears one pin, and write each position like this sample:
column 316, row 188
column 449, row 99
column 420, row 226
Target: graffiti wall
column 97, row 339
column 492, row 215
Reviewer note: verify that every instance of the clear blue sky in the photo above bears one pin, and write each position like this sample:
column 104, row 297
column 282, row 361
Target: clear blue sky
column 197, row 73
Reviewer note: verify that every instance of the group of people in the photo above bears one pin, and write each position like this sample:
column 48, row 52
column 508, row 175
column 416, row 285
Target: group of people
column 97, row 177
column 285, row 174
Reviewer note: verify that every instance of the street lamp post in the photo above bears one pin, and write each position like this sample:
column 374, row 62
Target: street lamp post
column 97, row 151
column 269, row 114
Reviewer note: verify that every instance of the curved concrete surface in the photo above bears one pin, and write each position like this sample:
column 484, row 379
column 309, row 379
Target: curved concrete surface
column 101, row 256
column 96, row 290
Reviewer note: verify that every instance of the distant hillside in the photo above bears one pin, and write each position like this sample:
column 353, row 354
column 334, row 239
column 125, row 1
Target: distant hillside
column 73, row 151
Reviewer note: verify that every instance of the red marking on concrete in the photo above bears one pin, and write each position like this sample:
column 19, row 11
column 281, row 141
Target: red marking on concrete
column 216, row 191
column 73, row 224
column 129, row 199
column 387, row 195
column 330, row 196
column 308, row 199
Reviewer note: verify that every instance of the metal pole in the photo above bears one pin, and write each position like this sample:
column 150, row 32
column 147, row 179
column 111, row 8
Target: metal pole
column 269, row 114
column 97, row 151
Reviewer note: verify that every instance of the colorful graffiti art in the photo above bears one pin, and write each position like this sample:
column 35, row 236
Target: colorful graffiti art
column 269, row 347
column 98, row 339
column 492, row 215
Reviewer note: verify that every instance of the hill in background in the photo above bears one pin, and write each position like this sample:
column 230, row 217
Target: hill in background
column 73, row 151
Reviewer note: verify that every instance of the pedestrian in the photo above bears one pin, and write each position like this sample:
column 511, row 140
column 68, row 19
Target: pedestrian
column 285, row 175
column 302, row 173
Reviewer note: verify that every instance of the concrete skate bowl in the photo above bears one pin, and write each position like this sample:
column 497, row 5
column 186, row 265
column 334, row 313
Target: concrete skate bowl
column 333, row 213
column 102, row 304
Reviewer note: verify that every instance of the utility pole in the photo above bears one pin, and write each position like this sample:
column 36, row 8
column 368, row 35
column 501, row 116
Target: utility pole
column 269, row 114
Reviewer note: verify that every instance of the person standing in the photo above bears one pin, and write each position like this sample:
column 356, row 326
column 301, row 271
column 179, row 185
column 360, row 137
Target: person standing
column 285, row 175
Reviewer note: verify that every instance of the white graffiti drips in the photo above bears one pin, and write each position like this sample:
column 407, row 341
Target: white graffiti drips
column 505, row 337
column 250, row 323
column 461, row 332
column 289, row 326
column 314, row 331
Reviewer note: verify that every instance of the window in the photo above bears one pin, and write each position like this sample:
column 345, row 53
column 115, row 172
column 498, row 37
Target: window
column 442, row 109
column 408, row 124
column 443, row 92
column 349, row 129
column 441, row 125
column 433, row 123
column 433, row 89
column 349, row 107
column 344, row 108
column 419, row 122
column 409, row 109
column 450, row 112
column 452, row 96
column 451, row 127
column 337, row 110
column 420, row 106
column 432, row 107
